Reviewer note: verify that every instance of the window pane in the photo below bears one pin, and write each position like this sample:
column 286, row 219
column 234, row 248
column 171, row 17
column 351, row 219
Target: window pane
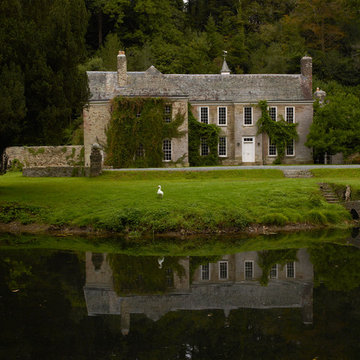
column 167, row 113
column 290, row 148
column 140, row 151
column 204, row 115
column 273, row 272
column 222, row 115
column 222, row 146
column 272, row 113
column 290, row 270
column 223, row 270
column 204, row 148
column 248, row 140
column 249, row 270
column 205, row 272
column 272, row 148
column 248, row 115
column 290, row 115
column 167, row 150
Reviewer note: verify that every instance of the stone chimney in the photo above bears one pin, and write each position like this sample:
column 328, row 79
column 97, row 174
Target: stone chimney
column 121, row 68
column 306, row 74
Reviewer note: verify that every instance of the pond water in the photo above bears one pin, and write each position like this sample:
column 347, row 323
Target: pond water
column 271, row 304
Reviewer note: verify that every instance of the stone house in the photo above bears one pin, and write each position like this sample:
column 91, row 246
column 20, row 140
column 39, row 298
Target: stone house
column 225, row 99
column 228, row 284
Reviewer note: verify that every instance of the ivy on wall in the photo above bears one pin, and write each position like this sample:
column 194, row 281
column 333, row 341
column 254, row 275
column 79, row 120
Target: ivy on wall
column 268, row 258
column 198, row 131
column 136, row 132
column 280, row 132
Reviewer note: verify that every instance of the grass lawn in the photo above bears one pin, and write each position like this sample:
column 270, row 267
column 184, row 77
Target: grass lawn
column 193, row 201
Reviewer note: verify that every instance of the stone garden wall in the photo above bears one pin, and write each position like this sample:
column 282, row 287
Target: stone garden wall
column 46, row 156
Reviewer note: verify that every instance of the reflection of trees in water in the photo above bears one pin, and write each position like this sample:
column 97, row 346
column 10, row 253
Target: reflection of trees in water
column 142, row 274
column 268, row 258
column 336, row 266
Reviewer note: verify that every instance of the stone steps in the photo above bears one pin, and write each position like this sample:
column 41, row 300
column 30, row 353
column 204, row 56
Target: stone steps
column 328, row 193
column 297, row 174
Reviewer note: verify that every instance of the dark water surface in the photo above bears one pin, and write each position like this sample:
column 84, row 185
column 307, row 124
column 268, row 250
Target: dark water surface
column 273, row 304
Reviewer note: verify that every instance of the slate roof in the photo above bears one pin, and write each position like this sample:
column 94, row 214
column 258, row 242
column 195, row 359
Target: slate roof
column 215, row 87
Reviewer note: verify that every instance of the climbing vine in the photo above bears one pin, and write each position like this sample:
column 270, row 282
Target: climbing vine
column 268, row 258
column 280, row 132
column 136, row 132
column 198, row 131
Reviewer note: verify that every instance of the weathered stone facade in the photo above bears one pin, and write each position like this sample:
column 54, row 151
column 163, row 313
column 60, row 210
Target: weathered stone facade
column 289, row 94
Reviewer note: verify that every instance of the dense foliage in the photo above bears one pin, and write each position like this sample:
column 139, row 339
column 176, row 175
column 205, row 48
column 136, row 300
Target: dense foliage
column 136, row 132
column 198, row 131
column 336, row 125
column 41, row 89
column 45, row 46
column 280, row 132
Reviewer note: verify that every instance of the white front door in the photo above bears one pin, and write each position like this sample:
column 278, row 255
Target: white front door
column 248, row 149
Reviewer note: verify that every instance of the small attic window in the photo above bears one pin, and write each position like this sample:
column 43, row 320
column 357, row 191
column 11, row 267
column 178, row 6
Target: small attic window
column 167, row 113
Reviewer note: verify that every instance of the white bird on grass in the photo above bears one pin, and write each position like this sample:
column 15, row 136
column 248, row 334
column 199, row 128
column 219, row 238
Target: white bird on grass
column 160, row 193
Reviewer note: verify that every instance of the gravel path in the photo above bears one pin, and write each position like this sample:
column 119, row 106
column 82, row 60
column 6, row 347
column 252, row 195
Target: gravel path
column 255, row 167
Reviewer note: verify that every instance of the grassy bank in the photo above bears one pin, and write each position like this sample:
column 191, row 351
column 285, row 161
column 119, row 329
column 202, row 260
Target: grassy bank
column 193, row 201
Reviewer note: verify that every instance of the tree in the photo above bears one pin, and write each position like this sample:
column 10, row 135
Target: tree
column 115, row 9
column 55, row 90
column 336, row 125
column 12, row 87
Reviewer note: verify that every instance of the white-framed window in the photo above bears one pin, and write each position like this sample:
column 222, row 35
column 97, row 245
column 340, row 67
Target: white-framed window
column 222, row 146
column 290, row 114
column 223, row 270
column 272, row 148
column 222, row 115
column 167, row 113
column 274, row 272
column 205, row 272
column 290, row 148
column 167, row 149
column 204, row 147
column 204, row 115
column 290, row 269
column 249, row 269
column 248, row 115
column 273, row 113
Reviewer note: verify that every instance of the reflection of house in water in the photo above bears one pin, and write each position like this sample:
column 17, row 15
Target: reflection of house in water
column 228, row 284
